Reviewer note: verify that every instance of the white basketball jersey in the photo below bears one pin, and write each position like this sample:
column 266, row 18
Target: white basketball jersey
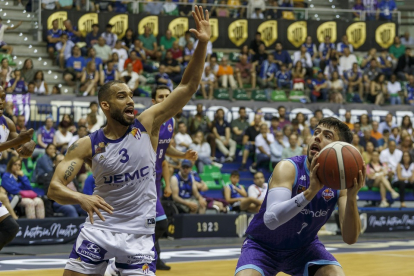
column 124, row 172
column 4, row 130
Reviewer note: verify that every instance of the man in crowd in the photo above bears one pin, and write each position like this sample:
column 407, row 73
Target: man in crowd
column 294, row 149
column 239, row 126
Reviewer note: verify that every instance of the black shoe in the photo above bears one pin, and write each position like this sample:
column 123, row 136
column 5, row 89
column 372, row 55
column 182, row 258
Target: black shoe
column 162, row 266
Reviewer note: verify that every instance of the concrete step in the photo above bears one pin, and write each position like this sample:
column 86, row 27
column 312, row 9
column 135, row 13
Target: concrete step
column 24, row 39
column 16, row 15
column 26, row 25
column 30, row 51
column 44, row 64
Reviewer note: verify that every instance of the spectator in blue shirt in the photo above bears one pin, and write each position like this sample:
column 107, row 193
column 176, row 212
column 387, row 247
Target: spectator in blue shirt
column 74, row 67
column 72, row 31
column 312, row 50
column 162, row 78
column 44, row 164
column 353, row 80
column 64, row 48
column 358, row 8
column 14, row 182
column 283, row 78
column 17, row 85
column 409, row 90
column 318, row 88
column 92, row 57
column 385, row 9
column 53, row 37
column 282, row 56
column 325, row 49
column 92, row 37
column 221, row 130
column 45, row 136
column 267, row 73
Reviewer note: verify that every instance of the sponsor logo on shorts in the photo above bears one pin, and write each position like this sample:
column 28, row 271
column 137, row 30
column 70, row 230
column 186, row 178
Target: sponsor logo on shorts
column 91, row 251
column 150, row 222
column 328, row 194
column 317, row 214
column 145, row 269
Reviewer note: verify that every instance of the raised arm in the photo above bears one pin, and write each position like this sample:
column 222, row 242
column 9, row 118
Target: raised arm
column 175, row 153
column 159, row 113
column 64, row 174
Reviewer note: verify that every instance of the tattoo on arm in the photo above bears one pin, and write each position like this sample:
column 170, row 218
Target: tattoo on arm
column 72, row 147
column 69, row 170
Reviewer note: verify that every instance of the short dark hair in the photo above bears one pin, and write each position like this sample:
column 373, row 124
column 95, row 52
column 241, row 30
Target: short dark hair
column 93, row 103
column 104, row 92
column 281, row 106
column 242, row 108
column 343, row 130
column 274, row 118
column 235, row 173
column 156, row 88
column 317, row 110
column 295, row 122
column 258, row 33
column 402, row 158
column 180, row 123
column 49, row 145
column 95, row 25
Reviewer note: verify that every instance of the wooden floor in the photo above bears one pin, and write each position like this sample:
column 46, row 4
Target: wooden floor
column 371, row 263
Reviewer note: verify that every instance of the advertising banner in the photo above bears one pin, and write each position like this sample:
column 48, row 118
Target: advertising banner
column 233, row 33
column 390, row 221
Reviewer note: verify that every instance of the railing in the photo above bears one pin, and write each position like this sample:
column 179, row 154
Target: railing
column 310, row 13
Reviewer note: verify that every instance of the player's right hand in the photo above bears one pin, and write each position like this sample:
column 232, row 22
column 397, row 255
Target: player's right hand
column 25, row 136
column 92, row 203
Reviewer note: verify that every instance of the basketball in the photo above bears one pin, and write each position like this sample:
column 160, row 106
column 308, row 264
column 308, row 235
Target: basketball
column 340, row 163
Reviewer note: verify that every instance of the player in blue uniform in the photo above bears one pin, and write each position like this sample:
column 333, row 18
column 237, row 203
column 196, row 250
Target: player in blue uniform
column 159, row 94
column 282, row 237
column 25, row 147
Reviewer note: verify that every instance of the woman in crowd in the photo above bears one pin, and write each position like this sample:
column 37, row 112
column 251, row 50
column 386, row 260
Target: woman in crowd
column 365, row 123
column 406, row 143
column 44, row 165
column 377, row 177
column 89, row 80
column 407, row 124
column 6, row 72
column 62, row 137
column 67, row 118
column 336, row 86
column 16, row 183
column 366, row 155
column 405, row 176
column 116, row 61
column 204, row 152
column 377, row 90
column 302, row 121
column 27, row 70
column 40, row 84
column 355, row 143
column 298, row 76
column 245, row 51
column 128, row 39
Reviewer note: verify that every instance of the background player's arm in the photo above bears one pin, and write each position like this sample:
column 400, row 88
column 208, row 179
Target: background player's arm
column 166, row 176
column 175, row 153
column 160, row 113
column 348, row 210
column 66, row 172
column 25, row 149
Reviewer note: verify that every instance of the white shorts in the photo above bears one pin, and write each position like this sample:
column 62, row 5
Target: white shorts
column 3, row 210
column 134, row 254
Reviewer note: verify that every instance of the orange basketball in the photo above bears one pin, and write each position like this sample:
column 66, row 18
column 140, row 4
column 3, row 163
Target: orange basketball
column 340, row 164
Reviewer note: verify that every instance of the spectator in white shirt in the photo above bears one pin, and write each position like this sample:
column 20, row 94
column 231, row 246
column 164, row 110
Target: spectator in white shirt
column 259, row 189
column 407, row 40
column 347, row 60
column 333, row 66
column 394, row 89
column 391, row 156
column 182, row 139
column 62, row 137
column 122, row 54
column 387, row 124
column 303, row 56
column 109, row 36
column 262, row 143
column 293, row 149
column 204, row 152
column 209, row 51
column 276, row 148
column 130, row 77
column 208, row 81
column 48, row 4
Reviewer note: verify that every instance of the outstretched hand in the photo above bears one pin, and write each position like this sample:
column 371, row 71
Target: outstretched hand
column 203, row 29
column 191, row 155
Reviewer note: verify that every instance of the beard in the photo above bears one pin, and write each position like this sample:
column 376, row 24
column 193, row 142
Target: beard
column 308, row 155
column 118, row 116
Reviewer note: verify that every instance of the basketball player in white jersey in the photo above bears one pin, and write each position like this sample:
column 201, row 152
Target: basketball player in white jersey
column 9, row 138
column 122, row 156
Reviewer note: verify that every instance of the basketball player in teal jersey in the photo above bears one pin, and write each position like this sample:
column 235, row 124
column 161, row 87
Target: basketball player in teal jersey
column 122, row 156
column 9, row 138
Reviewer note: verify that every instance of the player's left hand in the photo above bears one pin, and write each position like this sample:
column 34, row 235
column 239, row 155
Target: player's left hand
column 167, row 191
column 203, row 29
column 191, row 155
column 26, row 150
column 358, row 184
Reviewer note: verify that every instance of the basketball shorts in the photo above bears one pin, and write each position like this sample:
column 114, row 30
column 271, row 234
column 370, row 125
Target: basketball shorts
column 3, row 210
column 134, row 254
column 160, row 213
column 294, row 262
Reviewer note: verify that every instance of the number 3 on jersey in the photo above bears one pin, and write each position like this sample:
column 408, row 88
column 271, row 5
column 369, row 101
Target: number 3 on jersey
column 125, row 156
